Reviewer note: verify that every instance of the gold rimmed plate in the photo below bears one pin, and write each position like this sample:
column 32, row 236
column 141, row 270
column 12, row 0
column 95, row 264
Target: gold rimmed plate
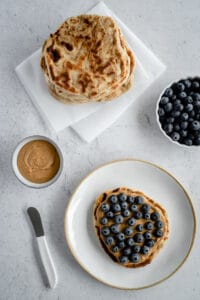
column 159, row 185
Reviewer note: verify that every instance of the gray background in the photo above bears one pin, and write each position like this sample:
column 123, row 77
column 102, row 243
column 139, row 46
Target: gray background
column 171, row 29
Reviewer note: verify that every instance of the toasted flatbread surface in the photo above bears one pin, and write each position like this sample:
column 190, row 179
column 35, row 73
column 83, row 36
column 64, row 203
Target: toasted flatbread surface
column 86, row 60
column 153, row 207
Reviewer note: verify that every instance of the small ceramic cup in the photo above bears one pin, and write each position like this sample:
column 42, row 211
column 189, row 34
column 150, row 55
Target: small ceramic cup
column 21, row 178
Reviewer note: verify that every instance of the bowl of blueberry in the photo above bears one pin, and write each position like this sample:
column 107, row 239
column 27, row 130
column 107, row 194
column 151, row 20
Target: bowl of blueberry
column 178, row 112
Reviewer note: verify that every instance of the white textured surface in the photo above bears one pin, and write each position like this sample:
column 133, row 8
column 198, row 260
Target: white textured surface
column 171, row 30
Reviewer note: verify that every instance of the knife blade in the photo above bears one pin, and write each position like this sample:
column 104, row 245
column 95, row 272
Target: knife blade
column 45, row 255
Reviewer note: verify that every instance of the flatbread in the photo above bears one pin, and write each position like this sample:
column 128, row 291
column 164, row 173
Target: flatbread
column 86, row 60
column 154, row 207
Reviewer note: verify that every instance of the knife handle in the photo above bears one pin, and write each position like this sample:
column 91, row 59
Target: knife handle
column 47, row 261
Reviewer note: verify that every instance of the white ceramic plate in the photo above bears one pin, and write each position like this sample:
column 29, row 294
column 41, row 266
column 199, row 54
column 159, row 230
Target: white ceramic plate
column 157, row 184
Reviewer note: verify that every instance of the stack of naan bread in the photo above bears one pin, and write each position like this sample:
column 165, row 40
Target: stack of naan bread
column 86, row 60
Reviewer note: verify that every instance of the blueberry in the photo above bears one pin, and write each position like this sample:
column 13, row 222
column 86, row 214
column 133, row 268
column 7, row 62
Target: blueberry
column 131, row 199
column 114, row 228
column 149, row 225
column 180, row 87
column 195, row 85
column 120, row 236
column 123, row 259
column 178, row 107
column 191, row 136
column 139, row 227
column 131, row 221
column 149, row 243
column 168, row 128
column 105, row 207
column 190, row 120
column 155, row 216
column 128, row 231
column 124, row 205
column 130, row 241
column 133, row 207
column 195, row 125
column 168, row 107
column 197, row 78
column 147, row 216
column 197, row 141
column 116, row 207
column 138, row 214
column 184, row 124
column 198, row 116
column 147, row 235
column 168, row 92
column 121, row 244
column 145, row 208
column 159, row 224
column 138, row 238
column 109, row 214
column 170, row 120
column 196, row 97
column 135, row 257
column 118, row 219
column 173, row 97
column 109, row 240
column 145, row 250
column 122, row 197
column 187, row 142
column 158, row 233
column 136, row 249
column 183, row 133
column 161, row 112
column 104, row 221
column 126, row 213
column 175, row 114
column 127, row 251
column 115, row 248
column 139, row 200
column 177, row 101
column 187, row 83
column 189, row 100
column 113, row 199
column 184, row 116
column 164, row 100
column 177, row 127
column 189, row 107
column 192, row 113
column 197, row 104
column 105, row 231
column 182, row 95
column 175, row 136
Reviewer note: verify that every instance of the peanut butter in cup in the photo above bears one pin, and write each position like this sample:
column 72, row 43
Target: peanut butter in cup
column 38, row 161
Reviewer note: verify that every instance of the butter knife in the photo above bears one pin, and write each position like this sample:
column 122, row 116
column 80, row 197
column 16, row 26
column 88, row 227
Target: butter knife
column 45, row 255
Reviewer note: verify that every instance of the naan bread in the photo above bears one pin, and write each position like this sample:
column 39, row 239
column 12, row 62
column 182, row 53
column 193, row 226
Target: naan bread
column 154, row 207
column 86, row 60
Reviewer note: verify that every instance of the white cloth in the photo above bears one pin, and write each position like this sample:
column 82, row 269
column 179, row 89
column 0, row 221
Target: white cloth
column 91, row 119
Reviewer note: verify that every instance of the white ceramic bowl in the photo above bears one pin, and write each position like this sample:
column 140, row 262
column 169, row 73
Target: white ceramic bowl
column 15, row 167
column 158, row 121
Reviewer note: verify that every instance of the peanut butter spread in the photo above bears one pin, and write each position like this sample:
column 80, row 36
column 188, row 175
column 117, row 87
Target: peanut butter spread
column 38, row 161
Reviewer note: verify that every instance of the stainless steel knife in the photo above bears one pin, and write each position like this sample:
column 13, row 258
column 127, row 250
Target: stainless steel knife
column 45, row 255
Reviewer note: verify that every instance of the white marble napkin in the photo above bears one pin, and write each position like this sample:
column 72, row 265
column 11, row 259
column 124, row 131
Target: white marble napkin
column 90, row 119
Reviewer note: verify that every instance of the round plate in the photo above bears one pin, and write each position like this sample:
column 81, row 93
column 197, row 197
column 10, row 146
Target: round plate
column 156, row 183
